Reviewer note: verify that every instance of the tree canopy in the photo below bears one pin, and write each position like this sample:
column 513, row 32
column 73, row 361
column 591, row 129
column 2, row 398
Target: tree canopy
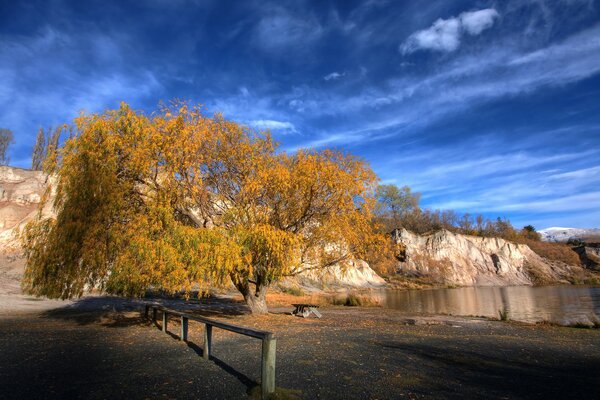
column 179, row 200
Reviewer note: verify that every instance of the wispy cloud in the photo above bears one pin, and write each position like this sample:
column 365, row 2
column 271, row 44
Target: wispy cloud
column 269, row 124
column 445, row 34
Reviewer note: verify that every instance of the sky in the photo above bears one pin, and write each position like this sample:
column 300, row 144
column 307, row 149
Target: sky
column 487, row 107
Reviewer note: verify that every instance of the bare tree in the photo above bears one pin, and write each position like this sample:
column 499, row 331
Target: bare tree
column 6, row 138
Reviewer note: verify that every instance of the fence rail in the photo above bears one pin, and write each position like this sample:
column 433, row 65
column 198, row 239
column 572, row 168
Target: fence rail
column 268, row 341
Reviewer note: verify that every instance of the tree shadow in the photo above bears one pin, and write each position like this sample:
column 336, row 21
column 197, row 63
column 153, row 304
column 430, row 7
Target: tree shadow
column 119, row 312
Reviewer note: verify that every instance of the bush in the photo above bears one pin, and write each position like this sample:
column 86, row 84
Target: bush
column 353, row 300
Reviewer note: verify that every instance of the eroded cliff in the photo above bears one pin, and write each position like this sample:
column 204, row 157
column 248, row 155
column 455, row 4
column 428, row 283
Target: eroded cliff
column 456, row 259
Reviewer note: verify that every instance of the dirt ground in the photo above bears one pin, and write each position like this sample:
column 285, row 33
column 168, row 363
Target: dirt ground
column 100, row 347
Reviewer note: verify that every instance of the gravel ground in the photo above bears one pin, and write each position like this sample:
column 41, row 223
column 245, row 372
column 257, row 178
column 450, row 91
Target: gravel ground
column 100, row 348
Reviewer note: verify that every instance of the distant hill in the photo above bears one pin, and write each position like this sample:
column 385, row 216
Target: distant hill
column 559, row 234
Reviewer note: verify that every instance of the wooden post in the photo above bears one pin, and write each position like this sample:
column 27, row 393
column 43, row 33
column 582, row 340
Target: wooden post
column 207, row 341
column 268, row 366
column 164, row 324
column 184, row 329
column 154, row 315
column 146, row 306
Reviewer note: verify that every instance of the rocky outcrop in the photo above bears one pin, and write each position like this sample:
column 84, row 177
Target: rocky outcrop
column 589, row 255
column 21, row 191
column 465, row 260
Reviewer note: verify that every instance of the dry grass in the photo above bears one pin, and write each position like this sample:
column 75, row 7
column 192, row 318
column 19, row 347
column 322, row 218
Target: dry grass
column 553, row 251
column 280, row 299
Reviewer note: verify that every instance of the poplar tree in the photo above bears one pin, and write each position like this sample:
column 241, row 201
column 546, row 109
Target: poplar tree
column 6, row 139
column 39, row 151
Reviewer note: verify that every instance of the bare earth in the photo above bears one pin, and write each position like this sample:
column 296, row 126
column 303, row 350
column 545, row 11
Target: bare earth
column 99, row 348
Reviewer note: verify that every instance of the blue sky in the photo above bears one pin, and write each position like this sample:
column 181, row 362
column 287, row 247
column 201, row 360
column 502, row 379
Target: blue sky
column 482, row 106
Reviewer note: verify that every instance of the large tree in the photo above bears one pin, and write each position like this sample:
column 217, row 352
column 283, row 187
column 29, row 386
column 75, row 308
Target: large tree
column 393, row 203
column 179, row 200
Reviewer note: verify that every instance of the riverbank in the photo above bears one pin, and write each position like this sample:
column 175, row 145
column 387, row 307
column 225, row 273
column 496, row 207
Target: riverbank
column 100, row 347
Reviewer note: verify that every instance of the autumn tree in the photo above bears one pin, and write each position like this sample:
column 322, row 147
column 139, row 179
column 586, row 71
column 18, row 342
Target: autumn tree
column 6, row 139
column 177, row 200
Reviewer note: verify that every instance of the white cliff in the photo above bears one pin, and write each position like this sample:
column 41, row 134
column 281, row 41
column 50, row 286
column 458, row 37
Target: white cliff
column 465, row 260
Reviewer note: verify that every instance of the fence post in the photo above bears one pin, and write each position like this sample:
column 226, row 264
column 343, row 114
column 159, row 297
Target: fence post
column 154, row 314
column 146, row 311
column 164, row 324
column 207, row 341
column 268, row 366
column 184, row 329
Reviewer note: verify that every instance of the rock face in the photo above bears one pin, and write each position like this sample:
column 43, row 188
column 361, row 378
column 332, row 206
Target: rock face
column 475, row 261
column 590, row 255
column 357, row 275
column 21, row 191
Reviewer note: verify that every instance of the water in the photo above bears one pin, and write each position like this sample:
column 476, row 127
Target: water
column 565, row 305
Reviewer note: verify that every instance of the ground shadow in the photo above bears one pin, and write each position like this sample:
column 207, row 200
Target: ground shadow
column 244, row 379
column 508, row 373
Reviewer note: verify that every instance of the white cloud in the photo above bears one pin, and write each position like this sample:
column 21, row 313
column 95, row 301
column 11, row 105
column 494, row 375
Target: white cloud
column 333, row 76
column 475, row 22
column 445, row 34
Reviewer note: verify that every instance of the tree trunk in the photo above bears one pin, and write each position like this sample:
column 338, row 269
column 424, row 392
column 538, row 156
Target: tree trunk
column 255, row 299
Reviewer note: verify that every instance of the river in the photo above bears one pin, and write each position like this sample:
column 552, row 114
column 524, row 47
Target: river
column 566, row 305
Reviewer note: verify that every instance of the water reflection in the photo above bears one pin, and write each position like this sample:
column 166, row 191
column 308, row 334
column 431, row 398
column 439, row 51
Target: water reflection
column 560, row 304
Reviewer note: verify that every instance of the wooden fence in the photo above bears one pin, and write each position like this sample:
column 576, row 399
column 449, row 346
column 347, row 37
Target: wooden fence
column 268, row 341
